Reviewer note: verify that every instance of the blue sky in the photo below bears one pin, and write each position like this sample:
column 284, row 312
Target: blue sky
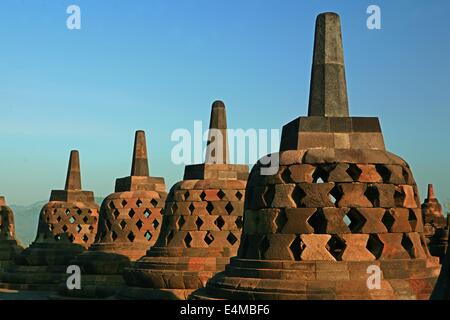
column 158, row 65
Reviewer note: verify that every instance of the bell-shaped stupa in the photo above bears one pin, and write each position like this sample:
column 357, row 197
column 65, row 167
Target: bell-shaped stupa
column 67, row 226
column 9, row 246
column 129, row 224
column 341, row 218
column 202, row 224
column 436, row 229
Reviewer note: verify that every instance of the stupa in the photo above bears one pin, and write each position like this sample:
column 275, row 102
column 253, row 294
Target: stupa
column 442, row 289
column 202, row 224
column 436, row 228
column 129, row 224
column 339, row 210
column 67, row 226
column 9, row 245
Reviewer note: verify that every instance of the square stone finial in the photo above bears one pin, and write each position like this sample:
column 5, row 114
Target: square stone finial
column 328, row 92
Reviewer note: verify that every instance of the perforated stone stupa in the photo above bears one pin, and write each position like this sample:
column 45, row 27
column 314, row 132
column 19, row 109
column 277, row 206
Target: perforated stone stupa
column 202, row 224
column 130, row 222
column 9, row 246
column 67, row 226
column 436, row 228
column 339, row 204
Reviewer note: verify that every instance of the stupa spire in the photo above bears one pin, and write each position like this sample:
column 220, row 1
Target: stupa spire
column 217, row 147
column 430, row 194
column 73, row 180
column 328, row 92
column 139, row 166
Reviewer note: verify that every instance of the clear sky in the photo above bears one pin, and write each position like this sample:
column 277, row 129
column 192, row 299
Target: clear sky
column 157, row 65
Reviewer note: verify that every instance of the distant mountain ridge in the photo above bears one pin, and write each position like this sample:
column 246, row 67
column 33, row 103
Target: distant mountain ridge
column 27, row 217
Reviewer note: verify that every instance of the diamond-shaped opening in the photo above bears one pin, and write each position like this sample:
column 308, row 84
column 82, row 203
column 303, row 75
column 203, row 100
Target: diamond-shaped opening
column 85, row 219
column 57, row 219
column 181, row 222
column 399, row 197
column 408, row 245
column 221, row 194
column 373, row 195
column 375, row 246
column 57, row 237
column 209, row 207
column 199, row 222
column 79, row 228
column 147, row 213
column 203, row 196
column 124, row 203
column 239, row 222
column 187, row 240
column 281, row 220
column 354, row 172
column 148, row 236
column 114, row 235
column 111, row 205
column 71, row 238
column 131, row 236
column 335, row 195
column 54, row 211
column 154, row 203
column 51, row 227
column 65, row 228
column 296, row 248
column 155, row 224
column 91, row 228
column 123, row 224
column 131, row 213
column 318, row 221
column 405, row 174
column 170, row 236
column 336, row 247
column 355, row 220
column 229, row 207
column 191, row 208
column 384, row 172
column 239, row 195
column 79, row 212
column 108, row 224
column 320, row 175
column 412, row 219
column 116, row 213
column 85, row 238
column 388, row 220
column 219, row 222
column 268, row 195
column 174, row 208
column 263, row 247
column 139, row 203
column 297, row 195
column 209, row 238
column 186, row 195
column 231, row 238
column 67, row 211
column 139, row 224
column 286, row 176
